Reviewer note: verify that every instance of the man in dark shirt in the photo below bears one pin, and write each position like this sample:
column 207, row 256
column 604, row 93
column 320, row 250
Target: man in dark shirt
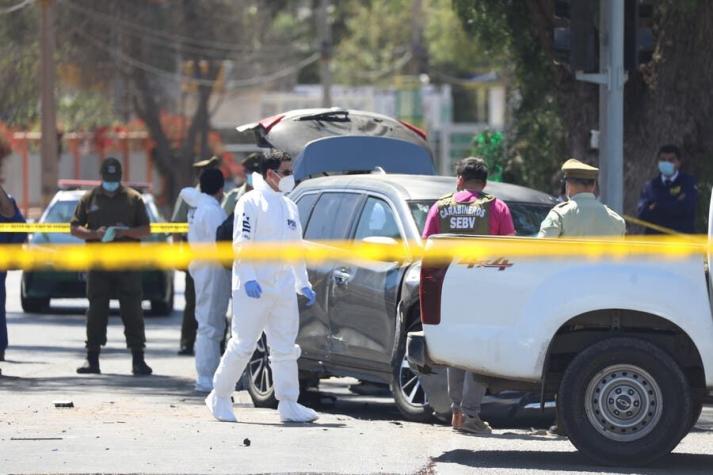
column 105, row 213
column 9, row 213
column 669, row 200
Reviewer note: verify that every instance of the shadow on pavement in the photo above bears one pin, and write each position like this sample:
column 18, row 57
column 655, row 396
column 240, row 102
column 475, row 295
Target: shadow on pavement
column 80, row 352
column 553, row 461
column 113, row 383
column 70, row 317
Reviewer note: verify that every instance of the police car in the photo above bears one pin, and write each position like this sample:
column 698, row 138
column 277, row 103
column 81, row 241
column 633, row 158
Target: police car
column 40, row 287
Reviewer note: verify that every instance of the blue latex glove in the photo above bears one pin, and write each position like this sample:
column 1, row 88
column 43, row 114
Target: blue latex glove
column 253, row 289
column 310, row 295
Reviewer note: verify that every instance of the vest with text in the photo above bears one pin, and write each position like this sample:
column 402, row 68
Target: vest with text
column 472, row 218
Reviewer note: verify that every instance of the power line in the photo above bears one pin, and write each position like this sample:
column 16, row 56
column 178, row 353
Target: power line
column 14, row 8
column 174, row 40
column 234, row 84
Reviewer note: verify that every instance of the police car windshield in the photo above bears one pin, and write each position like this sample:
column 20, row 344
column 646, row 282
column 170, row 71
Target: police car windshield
column 60, row 212
column 526, row 216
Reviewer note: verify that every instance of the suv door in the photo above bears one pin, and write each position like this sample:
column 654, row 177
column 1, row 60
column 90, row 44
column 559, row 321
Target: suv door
column 325, row 216
column 364, row 296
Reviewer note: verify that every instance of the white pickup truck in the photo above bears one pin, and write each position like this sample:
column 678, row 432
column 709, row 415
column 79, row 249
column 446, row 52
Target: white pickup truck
column 626, row 345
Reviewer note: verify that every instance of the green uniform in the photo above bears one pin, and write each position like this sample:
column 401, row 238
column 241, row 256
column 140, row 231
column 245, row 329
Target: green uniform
column 124, row 208
column 232, row 197
column 582, row 215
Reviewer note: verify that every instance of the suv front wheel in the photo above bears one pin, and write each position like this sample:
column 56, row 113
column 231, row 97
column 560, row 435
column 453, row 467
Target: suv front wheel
column 409, row 394
column 624, row 401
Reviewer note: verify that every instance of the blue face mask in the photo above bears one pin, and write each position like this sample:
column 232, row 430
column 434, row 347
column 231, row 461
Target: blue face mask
column 667, row 168
column 249, row 179
column 110, row 186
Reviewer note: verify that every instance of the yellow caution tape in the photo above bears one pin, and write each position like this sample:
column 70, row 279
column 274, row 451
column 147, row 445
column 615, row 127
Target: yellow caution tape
column 655, row 227
column 472, row 251
column 156, row 228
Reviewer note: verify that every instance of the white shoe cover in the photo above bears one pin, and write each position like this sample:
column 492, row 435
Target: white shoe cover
column 291, row 411
column 204, row 384
column 221, row 408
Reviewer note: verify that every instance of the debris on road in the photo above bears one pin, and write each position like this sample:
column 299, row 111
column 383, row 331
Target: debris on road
column 63, row 403
column 246, row 442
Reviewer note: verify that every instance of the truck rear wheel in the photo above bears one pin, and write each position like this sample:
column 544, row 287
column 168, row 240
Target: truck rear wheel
column 624, row 401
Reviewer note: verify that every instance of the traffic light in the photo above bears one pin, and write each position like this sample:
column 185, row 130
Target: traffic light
column 575, row 40
column 638, row 34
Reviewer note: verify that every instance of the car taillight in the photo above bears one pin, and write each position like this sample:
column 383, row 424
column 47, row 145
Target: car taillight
column 429, row 292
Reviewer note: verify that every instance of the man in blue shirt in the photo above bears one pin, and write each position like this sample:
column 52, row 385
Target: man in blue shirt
column 9, row 213
column 669, row 200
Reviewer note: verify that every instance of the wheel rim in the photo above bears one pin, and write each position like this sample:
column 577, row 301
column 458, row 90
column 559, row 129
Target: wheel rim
column 260, row 371
column 410, row 386
column 623, row 403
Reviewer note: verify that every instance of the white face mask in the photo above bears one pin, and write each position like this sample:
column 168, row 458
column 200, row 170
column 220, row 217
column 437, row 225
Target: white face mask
column 286, row 184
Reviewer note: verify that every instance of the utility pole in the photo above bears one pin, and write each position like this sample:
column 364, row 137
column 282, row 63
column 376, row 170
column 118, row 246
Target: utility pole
column 48, row 147
column 325, row 46
column 611, row 79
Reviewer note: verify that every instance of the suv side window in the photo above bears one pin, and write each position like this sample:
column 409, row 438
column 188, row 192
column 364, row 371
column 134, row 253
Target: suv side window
column 377, row 219
column 332, row 216
column 304, row 205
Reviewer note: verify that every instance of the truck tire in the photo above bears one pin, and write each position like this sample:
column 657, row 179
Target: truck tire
column 624, row 401
column 409, row 396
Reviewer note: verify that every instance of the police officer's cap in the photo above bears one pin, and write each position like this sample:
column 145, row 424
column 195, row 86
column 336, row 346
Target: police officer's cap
column 213, row 161
column 573, row 168
column 111, row 169
column 251, row 163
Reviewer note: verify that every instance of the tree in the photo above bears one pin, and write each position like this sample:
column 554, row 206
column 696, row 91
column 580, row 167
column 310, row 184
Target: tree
column 667, row 100
column 172, row 53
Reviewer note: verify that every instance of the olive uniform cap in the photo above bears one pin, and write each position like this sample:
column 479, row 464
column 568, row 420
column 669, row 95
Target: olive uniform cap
column 251, row 163
column 213, row 161
column 573, row 168
column 111, row 169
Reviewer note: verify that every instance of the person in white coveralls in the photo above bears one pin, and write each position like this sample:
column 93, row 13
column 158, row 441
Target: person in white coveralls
column 212, row 280
column 265, row 295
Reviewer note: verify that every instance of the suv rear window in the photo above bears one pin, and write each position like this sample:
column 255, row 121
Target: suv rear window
column 332, row 216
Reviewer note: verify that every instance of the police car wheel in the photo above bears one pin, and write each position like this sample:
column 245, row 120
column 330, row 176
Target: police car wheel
column 409, row 395
column 34, row 305
column 258, row 373
column 624, row 401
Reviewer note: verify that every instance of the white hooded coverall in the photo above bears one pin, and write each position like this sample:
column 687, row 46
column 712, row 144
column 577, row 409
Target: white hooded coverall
column 212, row 283
column 264, row 215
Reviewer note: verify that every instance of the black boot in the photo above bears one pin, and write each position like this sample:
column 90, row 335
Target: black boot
column 91, row 366
column 139, row 366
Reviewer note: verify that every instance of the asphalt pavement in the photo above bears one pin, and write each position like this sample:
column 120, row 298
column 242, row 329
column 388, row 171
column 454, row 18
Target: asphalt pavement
column 158, row 424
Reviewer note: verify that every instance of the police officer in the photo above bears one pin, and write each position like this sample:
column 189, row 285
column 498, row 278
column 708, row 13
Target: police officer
column 181, row 212
column 251, row 164
column 468, row 211
column 109, row 212
column 583, row 214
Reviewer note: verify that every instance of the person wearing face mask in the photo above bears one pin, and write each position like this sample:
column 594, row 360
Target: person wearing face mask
column 265, row 295
column 669, row 199
column 212, row 281
column 112, row 212
column 582, row 214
